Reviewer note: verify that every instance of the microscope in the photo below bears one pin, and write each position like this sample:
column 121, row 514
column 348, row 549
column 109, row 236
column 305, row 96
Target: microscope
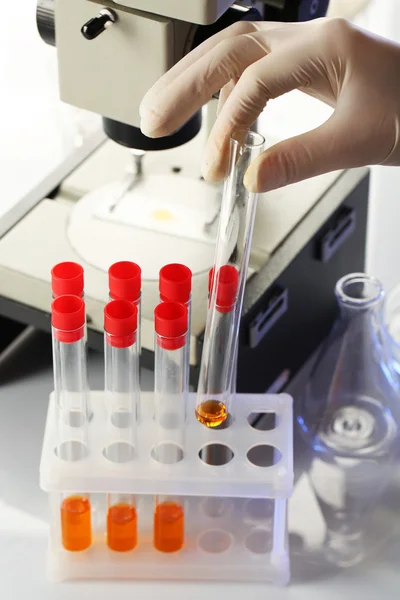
column 141, row 199
column 110, row 53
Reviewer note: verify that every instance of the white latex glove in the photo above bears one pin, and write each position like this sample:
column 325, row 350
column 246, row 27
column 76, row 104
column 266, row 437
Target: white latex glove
column 251, row 63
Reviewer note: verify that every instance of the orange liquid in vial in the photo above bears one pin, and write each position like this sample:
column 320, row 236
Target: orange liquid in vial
column 168, row 527
column 76, row 526
column 121, row 527
column 211, row 413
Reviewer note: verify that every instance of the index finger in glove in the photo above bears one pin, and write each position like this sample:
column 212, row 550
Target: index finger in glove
column 192, row 88
column 170, row 102
column 241, row 28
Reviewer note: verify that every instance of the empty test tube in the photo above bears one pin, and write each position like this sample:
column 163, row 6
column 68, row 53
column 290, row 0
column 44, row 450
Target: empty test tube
column 125, row 283
column 175, row 285
column 170, row 395
column 235, row 230
column 67, row 278
column 71, row 393
column 122, row 391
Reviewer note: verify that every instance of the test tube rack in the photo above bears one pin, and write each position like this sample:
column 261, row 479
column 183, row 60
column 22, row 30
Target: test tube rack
column 235, row 512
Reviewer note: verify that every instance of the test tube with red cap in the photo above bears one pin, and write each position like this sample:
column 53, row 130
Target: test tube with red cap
column 170, row 396
column 67, row 279
column 235, row 359
column 125, row 283
column 211, row 408
column 227, row 282
column 122, row 392
column 175, row 285
column 71, row 393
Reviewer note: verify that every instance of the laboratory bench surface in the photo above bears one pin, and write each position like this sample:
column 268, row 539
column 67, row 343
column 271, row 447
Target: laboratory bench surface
column 25, row 383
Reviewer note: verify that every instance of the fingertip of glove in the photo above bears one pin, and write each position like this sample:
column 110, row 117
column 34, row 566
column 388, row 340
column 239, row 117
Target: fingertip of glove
column 261, row 177
column 149, row 121
column 147, row 124
column 250, row 180
column 147, row 129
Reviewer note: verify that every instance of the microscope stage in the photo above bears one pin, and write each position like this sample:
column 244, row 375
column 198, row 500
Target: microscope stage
column 164, row 218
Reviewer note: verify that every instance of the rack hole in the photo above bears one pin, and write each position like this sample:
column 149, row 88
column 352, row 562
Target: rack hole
column 216, row 507
column 260, row 509
column 71, row 451
column 259, row 541
column 215, row 541
column 264, row 455
column 216, row 454
column 119, row 452
column 263, row 421
column 167, row 453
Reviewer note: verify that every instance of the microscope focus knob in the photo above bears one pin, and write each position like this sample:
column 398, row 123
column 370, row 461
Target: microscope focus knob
column 94, row 27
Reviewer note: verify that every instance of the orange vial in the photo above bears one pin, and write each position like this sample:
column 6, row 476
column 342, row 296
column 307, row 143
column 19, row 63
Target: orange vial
column 76, row 526
column 122, row 527
column 168, row 526
column 211, row 413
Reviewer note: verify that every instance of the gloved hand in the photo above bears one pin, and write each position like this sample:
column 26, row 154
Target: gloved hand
column 355, row 72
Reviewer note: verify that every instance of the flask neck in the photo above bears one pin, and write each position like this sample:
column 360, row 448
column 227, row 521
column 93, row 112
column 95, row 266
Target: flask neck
column 360, row 295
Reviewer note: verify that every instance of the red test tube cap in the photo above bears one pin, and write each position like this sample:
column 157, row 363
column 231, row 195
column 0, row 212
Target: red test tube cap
column 175, row 283
column 228, row 283
column 67, row 278
column 120, row 323
column 68, row 318
column 171, row 325
column 125, row 281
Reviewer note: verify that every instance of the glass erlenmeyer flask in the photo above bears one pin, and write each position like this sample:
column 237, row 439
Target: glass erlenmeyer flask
column 350, row 417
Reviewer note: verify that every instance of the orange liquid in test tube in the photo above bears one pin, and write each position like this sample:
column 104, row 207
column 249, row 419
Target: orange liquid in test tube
column 76, row 526
column 168, row 526
column 122, row 527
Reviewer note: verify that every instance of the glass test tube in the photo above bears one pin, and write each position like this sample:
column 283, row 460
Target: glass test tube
column 235, row 359
column 125, row 283
column 232, row 250
column 170, row 395
column 67, row 278
column 71, row 392
column 122, row 391
column 175, row 285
